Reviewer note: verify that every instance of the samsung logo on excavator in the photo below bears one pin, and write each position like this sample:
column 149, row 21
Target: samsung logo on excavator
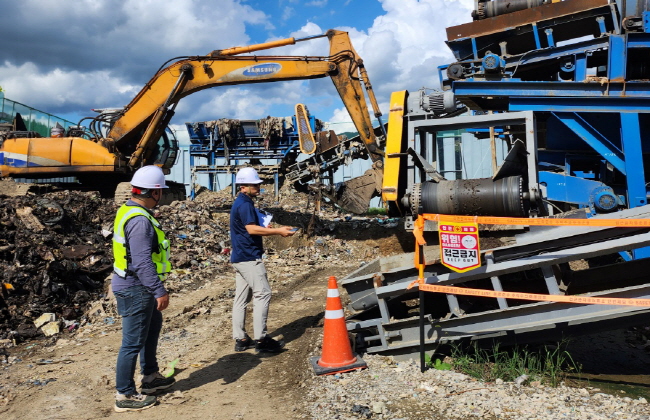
column 262, row 70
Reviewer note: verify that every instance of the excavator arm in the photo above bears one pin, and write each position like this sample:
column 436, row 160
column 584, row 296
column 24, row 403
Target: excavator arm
column 143, row 120
column 134, row 132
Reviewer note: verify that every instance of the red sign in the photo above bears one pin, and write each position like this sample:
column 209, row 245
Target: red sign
column 459, row 246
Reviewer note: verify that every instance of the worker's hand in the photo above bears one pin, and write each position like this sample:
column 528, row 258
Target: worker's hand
column 287, row 231
column 163, row 302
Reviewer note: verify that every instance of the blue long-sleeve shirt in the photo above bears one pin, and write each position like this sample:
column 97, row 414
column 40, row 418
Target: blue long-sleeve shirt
column 141, row 241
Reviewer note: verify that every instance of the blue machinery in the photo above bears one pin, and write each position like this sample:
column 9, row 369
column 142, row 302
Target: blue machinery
column 221, row 146
column 272, row 145
column 564, row 86
column 583, row 71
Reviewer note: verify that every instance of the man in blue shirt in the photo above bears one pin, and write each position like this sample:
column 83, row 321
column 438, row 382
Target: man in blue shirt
column 251, row 281
column 141, row 255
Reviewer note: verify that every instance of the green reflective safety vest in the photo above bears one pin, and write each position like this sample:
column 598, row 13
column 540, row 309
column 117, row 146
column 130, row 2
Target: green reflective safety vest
column 160, row 258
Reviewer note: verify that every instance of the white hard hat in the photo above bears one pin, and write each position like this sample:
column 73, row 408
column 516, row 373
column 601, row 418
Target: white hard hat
column 149, row 177
column 247, row 175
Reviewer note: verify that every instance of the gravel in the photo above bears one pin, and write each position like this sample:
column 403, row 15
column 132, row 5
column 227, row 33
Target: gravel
column 398, row 390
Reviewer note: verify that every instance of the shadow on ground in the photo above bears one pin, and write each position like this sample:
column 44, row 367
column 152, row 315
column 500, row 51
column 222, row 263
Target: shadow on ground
column 230, row 368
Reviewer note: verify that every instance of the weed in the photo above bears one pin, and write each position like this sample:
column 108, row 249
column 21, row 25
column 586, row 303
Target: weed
column 437, row 364
column 373, row 211
column 549, row 365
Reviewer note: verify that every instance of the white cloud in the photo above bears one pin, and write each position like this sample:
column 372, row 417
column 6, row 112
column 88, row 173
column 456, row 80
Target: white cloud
column 188, row 25
column 403, row 48
column 288, row 12
column 341, row 122
column 81, row 54
column 99, row 45
column 243, row 102
column 57, row 89
column 409, row 36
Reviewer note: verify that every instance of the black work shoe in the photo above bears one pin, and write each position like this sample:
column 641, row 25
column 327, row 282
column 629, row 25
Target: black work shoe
column 155, row 382
column 133, row 402
column 268, row 345
column 245, row 343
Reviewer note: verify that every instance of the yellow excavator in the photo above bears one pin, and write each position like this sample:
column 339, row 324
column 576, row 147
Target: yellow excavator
column 137, row 135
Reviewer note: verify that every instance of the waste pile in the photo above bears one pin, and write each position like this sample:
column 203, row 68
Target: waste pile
column 53, row 257
column 56, row 257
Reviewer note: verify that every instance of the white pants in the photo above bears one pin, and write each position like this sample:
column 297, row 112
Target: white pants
column 251, row 282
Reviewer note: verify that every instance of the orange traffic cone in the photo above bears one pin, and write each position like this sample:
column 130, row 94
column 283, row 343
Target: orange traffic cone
column 337, row 352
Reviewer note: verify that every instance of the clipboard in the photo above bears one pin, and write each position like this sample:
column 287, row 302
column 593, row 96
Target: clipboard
column 264, row 218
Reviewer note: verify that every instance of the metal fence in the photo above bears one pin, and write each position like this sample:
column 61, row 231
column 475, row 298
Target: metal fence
column 35, row 120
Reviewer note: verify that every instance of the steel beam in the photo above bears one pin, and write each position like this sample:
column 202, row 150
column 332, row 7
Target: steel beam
column 536, row 261
column 594, row 139
column 545, row 320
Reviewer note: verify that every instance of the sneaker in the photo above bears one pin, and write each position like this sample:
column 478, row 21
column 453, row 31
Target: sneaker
column 155, row 382
column 245, row 343
column 268, row 345
column 133, row 402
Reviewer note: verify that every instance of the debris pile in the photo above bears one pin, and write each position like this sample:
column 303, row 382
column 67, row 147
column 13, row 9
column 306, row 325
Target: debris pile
column 53, row 257
column 56, row 257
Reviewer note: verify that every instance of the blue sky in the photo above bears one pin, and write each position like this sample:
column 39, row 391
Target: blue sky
column 69, row 56
column 289, row 14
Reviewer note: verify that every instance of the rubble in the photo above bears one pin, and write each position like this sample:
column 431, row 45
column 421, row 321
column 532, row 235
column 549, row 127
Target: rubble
column 44, row 319
column 196, row 341
column 54, row 257
column 55, row 250
column 51, row 328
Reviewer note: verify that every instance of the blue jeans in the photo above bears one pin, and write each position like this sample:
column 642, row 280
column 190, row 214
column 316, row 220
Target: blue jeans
column 141, row 325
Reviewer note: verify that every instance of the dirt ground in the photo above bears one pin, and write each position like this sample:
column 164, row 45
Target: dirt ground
column 215, row 382
column 73, row 376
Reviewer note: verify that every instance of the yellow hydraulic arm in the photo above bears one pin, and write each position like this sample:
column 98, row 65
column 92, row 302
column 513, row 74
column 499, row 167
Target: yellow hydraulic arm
column 143, row 120
column 132, row 139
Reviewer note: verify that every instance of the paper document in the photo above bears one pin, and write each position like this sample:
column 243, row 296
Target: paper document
column 264, row 218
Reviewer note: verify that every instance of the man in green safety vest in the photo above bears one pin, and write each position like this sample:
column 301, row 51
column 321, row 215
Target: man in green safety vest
column 141, row 254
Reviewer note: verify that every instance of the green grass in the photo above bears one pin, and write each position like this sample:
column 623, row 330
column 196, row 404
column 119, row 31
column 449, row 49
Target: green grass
column 373, row 211
column 437, row 364
column 549, row 365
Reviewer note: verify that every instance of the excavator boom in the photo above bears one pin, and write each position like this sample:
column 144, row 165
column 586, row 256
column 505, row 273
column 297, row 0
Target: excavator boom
column 156, row 101
column 133, row 139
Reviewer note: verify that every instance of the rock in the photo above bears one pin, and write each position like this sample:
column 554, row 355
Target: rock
column 520, row 380
column 379, row 407
column 69, row 314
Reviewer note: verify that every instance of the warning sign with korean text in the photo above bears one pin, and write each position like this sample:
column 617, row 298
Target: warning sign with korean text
column 459, row 246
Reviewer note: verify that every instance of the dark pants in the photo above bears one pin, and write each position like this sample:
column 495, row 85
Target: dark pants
column 141, row 325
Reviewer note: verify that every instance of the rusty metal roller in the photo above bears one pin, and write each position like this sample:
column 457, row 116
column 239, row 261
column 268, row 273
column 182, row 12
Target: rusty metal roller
column 475, row 197
column 488, row 9
column 305, row 136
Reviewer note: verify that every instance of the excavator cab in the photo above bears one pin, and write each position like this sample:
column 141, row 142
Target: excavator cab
column 165, row 152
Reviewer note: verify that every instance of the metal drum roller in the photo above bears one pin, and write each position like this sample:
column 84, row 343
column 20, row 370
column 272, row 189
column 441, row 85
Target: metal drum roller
column 475, row 197
column 490, row 8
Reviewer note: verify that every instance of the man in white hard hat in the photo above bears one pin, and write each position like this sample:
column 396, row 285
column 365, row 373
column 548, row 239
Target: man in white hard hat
column 141, row 254
column 251, row 282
